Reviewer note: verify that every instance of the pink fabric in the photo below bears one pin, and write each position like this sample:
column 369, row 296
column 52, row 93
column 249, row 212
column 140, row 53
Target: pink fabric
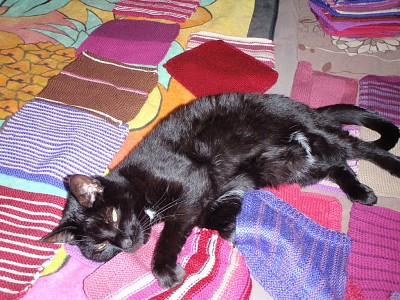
column 172, row 10
column 318, row 89
column 214, row 268
column 374, row 262
column 66, row 283
column 131, row 41
column 325, row 210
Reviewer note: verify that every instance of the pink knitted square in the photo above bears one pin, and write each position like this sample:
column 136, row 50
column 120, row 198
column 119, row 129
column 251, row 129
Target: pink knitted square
column 374, row 262
column 214, row 268
column 325, row 210
column 318, row 89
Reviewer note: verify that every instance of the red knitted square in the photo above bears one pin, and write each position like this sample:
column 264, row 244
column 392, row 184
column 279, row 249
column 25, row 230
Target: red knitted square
column 216, row 67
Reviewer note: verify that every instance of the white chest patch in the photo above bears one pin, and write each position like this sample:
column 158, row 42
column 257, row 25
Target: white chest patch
column 151, row 213
column 302, row 140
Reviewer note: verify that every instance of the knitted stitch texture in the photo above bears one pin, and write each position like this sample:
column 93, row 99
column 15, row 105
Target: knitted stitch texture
column 382, row 94
column 214, row 270
column 57, row 141
column 173, row 10
column 374, row 262
column 325, row 210
column 216, row 67
column 259, row 48
column 131, row 41
column 105, row 88
column 318, row 89
column 25, row 218
column 288, row 253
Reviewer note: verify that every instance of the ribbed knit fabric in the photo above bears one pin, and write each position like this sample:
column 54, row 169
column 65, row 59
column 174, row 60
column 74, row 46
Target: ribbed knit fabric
column 173, row 10
column 288, row 253
column 25, row 217
column 325, row 210
column 131, row 41
column 67, row 282
column 214, row 270
column 46, row 142
column 259, row 48
column 362, row 5
column 113, row 91
column 374, row 262
column 318, row 89
column 382, row 94
column 216, row 67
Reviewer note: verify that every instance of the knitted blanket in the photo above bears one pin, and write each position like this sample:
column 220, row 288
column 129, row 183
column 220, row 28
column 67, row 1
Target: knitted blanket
column 82, row 82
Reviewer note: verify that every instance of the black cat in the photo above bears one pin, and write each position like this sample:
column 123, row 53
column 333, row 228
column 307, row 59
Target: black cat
column 195, row 166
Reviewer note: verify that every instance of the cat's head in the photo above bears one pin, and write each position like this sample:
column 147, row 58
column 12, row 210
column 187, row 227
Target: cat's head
column 101, row 218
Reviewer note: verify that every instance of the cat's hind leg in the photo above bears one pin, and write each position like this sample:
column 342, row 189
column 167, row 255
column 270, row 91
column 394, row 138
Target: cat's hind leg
column 345, row 177
column 220, row 214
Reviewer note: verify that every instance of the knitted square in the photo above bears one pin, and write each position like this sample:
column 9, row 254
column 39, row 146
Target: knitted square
column 25, row 218
column 374, row 262
column 382, row 94
column 259, row 48
column 214, row 270
column 131, row 41
column 216, row 67
column 113, row 91
column 318, row 89
column 288, row 253
column 46, row 142
column 325, row 210
column 173, row 10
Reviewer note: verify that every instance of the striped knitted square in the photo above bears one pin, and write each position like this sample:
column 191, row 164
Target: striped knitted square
column 259, row 48
column 382, row 94
column 25, row 217
column 46, row 142
column 173, row 10
column 113, row 91
column 374, row 262
column 288, row 253
column 214, row 270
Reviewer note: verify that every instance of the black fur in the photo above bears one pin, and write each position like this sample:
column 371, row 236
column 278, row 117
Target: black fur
column 195, row 166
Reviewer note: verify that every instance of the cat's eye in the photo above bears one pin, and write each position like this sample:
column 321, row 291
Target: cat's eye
column 102, row 246
column 114, row 215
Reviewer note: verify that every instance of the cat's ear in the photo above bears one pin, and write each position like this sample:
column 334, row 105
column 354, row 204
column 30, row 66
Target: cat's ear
column 85, row 189
column 61, row 234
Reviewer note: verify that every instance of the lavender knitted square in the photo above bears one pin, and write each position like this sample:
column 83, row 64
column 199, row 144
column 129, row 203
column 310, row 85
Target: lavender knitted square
column 45, row 142
column 288, row 253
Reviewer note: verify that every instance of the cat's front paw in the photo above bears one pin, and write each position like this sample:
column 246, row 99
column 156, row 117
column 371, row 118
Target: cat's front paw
column 364, row 195
column 168, row 276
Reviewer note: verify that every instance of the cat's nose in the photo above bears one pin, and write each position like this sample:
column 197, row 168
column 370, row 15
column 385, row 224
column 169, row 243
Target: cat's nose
column 126, row 244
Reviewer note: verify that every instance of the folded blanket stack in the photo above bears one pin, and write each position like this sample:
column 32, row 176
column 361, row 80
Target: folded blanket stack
column 358, row 18
column 292, row 256
column 374, row 262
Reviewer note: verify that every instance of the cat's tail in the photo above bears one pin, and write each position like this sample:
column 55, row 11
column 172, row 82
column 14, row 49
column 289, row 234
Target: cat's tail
column 355, row 115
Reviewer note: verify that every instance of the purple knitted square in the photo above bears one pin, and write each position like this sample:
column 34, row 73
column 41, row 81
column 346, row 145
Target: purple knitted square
column 131, row 41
